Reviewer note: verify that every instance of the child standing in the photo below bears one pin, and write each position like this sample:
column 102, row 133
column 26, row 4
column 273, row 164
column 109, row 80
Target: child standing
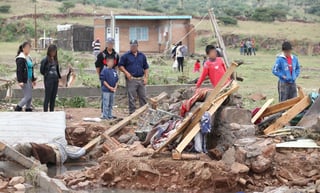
column 109, row 79
column 214, row 67
column 197, row 66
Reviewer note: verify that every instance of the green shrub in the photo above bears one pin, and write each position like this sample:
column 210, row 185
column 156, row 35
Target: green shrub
column 5, row 8
column 66, row 6
column 268, row 14
column 314, row 9
column 228, row 20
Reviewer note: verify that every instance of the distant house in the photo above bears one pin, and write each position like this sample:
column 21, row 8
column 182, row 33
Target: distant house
column 75, row 37
column 154, row 33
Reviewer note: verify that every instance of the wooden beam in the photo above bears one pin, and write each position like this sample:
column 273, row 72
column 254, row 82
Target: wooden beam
column 261, row 111
column 155, row 100
column 193, row 132
column 17, row 156
column 285, row 105
column 92, row 143
column 289, row 115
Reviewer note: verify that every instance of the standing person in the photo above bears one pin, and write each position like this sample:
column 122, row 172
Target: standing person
column 109, row 80
column 242, row 47
column 253, row 44
column 101, row 61
column 180, row 56
column 50, row 70
column 136, row 69
column 197, row 66
column 287, row 69
column 25, row 76
column 249, row 47
column 96, row 47
column 214, row 67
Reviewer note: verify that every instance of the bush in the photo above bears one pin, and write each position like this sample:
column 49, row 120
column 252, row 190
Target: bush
column 5, row 8
column 153, row 9
column 268, row 14
column 314, row 10
column 66, row 6
column 228, row 20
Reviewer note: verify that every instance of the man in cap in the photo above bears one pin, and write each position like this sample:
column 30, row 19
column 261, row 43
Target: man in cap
column 135, row 67
column 106, row 54
column 287, row 69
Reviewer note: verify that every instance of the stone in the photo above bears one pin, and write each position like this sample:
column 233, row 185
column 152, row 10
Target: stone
column 84, row 184
column 257, row 97
column 245, row 131
column 117, row 179
column 19, row 187
column 79, row 131
column 238, row 168
column 269, row 151
column 133, row 139
column 229, row 156
column 125, row 138
column 3, row 184
column 261, row 164
column 241, row 155
column 235, row 115
column 107, row 176
column 16, row 180
column 235, row 126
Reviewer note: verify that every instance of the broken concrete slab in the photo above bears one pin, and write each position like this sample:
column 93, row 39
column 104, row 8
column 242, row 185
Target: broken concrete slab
column 310, row 119
column 37, row 127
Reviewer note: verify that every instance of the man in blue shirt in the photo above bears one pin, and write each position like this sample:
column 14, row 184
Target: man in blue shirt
column 135, row 67
column 287, row 69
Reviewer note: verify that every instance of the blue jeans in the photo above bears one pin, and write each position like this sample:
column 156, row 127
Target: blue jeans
column 107, row 105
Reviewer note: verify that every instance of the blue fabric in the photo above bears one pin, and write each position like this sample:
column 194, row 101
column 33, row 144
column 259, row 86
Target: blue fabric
column 110, row 76
column 281, row 68
column 107, row 105
column 30, row 66
column 135, row 65
column 205, row 123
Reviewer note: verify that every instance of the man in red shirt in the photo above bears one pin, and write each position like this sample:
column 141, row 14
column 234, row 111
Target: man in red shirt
column 214, row 67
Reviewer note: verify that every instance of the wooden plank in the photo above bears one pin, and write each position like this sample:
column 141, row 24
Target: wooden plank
column 186, row 140
column 285, row 105
column 92, row 143
column 289, row 115
column 155, row 100
column 17, row 157
column 117, row 127
column 261, row 111
column 37, row 127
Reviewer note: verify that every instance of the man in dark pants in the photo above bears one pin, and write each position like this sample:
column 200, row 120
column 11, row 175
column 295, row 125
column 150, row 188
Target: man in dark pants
column 287, row 69
column 136, row 69
column 102, row 57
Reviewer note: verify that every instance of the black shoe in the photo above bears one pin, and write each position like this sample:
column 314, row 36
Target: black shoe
column 18, row 108
column 28, row 110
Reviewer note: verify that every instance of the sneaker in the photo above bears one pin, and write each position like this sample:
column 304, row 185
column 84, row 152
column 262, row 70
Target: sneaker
column 29, row 110
column 18, row 108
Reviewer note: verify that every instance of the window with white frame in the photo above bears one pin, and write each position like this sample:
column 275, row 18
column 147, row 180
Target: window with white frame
column 139, row 33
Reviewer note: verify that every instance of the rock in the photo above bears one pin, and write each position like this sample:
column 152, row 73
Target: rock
column 235, row 115
column 235, row 126
column 125, row 138
column 84, row 184
column 117, row 179
column 269, row 151
column 16, row 180
column 257, row 97
column 175, row 97
column 237, row 168
column 79, row 131
column 260, row 164
column 143, row 152
column 215, row 154
column 245, row 131
column 107, row 176
column 133, row 139
column 3, row 184
column 76, row 181
column 229, row 156
column 241, row 155
column 19, row 187
column 206, row 174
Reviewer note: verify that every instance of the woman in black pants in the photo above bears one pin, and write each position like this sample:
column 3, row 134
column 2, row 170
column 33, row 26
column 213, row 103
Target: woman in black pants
column 50, row 70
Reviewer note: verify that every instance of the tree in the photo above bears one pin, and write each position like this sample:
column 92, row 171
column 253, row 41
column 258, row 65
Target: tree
column 66, row 6
column 5, row 8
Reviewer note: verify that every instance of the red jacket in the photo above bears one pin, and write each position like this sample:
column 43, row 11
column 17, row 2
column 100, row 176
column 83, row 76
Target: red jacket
column 214, row 69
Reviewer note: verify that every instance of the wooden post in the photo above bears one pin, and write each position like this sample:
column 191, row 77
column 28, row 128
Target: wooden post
column 261, row 111
column 287, row 116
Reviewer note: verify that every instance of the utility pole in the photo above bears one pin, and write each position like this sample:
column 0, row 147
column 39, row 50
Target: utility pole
column 218, row 36
column 35, row 25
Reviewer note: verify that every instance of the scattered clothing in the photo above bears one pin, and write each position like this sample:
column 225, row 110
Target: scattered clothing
column 199, row 95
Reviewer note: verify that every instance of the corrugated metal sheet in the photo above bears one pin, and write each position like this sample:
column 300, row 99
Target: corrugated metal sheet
column 150, row 17
column 38, row 127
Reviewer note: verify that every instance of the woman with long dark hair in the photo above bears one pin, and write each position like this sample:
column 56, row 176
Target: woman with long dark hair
column 25, row 76
column 50, row 70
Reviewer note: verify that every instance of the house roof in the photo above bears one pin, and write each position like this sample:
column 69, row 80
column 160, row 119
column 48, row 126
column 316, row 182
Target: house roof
column 149, row 17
